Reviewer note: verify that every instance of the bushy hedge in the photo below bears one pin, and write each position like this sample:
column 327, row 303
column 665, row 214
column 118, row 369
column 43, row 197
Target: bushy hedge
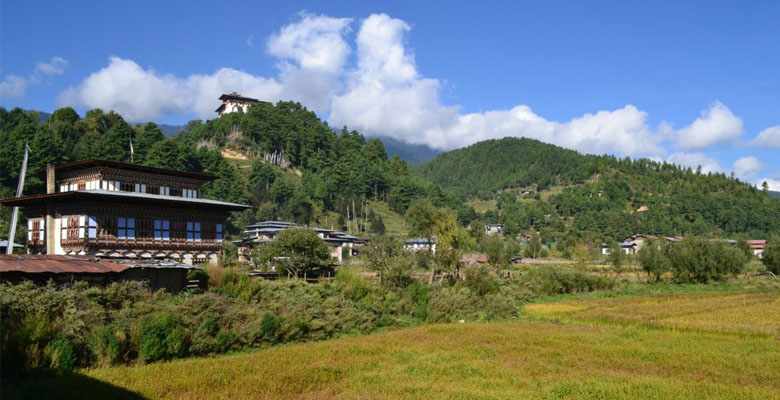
column 50, row 328
column 694, row 259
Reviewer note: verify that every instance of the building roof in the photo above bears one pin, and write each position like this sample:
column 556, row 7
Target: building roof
column 78, row 165
column 53, row 264
column 106, row 195
column 4, row 243
column 237, row 97
column 271, row 224
column 419, row 241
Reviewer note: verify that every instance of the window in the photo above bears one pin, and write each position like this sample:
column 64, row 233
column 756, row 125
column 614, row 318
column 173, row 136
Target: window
column 107, row 227
column 82, row 186
column 35, row 229
column 193, row 231
column 91, row 227
column 162, row 230
column 93, row 185
column 125, row 228
column 219, row 233
column 127, row 187
column 153, row 189
column 144, row 228
column 72, row 228
column 175, row 192
column 140, row 188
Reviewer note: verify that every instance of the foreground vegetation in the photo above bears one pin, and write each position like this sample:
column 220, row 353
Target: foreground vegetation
column 531, row 359
column 50, row 328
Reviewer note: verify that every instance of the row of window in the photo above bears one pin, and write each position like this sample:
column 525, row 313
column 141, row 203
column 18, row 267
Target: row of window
column 129, row 228
column 117, row 186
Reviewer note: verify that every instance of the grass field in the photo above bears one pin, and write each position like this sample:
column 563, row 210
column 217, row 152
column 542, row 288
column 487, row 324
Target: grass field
column 752, row 313
column 597, row 348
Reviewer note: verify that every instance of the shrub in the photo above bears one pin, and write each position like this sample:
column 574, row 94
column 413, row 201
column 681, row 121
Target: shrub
column 162, row 338
column 771, row 255
column 549, row 280
column 62, row 355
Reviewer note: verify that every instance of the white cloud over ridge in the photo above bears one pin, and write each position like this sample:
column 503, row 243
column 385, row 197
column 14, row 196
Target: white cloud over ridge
column 369, row 81
column 769, row 137
column 747, row 168
column 15, row 86
column 717, row 125
column 696, row 160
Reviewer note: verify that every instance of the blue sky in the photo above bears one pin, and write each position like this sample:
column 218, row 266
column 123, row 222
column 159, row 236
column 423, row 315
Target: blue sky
column 693, row 83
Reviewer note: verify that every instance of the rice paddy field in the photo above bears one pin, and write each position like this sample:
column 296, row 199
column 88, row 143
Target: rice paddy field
column 719, row 345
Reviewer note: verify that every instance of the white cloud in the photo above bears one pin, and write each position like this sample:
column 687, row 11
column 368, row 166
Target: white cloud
column 773, row 184
column 384, row 93
column 769, row 137
column 144, row 94
column 15, row 86
column 747, row 167
column 316, row 42
column 56, row 66
column 717, row 125
column 695, row 160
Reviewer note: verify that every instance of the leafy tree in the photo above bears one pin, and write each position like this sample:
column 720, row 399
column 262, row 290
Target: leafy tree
column 771, row 255
column 422, row 217
column 385, row 254
column 653, row 259
column 617, row 257
column 296, row 251
column 378, row 225
column 493, row 247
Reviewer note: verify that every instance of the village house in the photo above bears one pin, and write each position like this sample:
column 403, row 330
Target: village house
column 494, row 229
column 109, row 209
column 420, row 244
column 757, row 246
column 234, row 102
column 264, row 232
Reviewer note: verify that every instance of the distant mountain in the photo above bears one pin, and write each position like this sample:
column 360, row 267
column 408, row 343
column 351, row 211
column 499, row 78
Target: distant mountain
column 171, row 130
column 412, row 153
column 601, row 193
column 774, row 194
column 44, row 115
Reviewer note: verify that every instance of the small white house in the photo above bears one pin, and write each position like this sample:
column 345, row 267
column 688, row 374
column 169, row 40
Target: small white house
column 494, row 229
column 418, row 244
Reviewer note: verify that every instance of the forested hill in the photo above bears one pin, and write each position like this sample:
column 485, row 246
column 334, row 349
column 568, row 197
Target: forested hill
column 603, row 194
column 482, row 169
column 280, row 158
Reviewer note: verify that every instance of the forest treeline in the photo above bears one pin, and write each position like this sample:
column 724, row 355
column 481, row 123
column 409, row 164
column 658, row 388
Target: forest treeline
column 600, row 194
column 302, row 170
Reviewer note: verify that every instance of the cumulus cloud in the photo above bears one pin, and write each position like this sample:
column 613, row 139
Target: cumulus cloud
column 695, row 160
column 312, row 52
column 769, row 137
column 15, row 86
column 773, row 184
column 145, row 94
column 747, row 167
column 315, row 42
column 717, row 125
column 383, row 93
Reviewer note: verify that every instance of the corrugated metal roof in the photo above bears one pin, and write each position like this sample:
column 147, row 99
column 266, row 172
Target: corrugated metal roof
column 107, row 194
column 38, row 264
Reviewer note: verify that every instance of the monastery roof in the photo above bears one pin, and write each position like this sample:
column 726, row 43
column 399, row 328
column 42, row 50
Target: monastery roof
column 84, row 164
column 140, row 198
column 237, row 97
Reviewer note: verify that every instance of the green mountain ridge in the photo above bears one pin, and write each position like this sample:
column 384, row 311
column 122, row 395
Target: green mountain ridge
column 604, row 194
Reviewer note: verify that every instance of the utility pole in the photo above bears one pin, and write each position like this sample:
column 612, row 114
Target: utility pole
column 15, row 214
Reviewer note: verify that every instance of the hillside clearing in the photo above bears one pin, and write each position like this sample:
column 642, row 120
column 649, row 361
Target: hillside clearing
column 538, row 359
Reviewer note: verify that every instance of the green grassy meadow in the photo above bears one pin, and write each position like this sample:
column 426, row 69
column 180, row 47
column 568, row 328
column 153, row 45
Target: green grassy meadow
column 649, row 347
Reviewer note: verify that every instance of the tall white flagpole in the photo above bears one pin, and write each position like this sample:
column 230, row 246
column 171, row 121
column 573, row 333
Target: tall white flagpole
column 15, row 214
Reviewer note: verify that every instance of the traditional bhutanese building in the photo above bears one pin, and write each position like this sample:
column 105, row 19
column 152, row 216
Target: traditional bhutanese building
column 265, row 231
column 116, row 210
column 234, row 102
